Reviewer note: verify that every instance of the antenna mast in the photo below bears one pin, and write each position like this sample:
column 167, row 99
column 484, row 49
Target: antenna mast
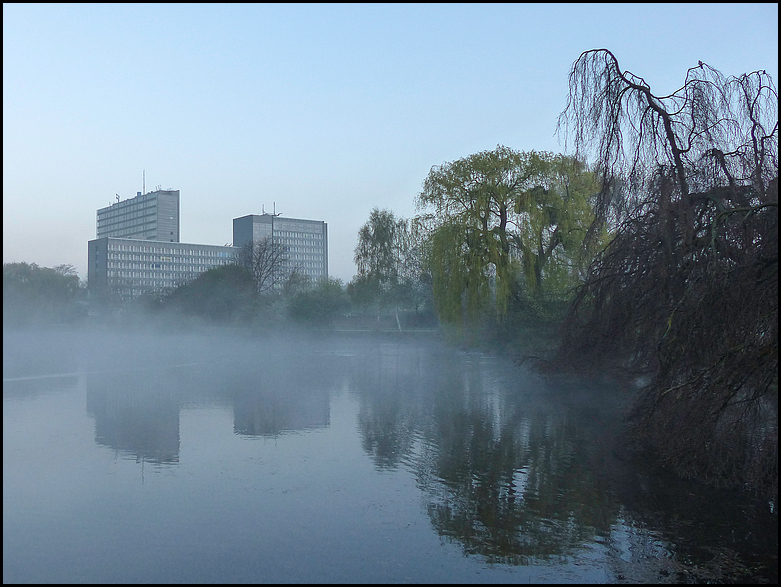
column 143, row 183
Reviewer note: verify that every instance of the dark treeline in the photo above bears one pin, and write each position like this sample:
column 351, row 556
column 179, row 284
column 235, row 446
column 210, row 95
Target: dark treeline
column 260, row 289
column 687, row 290
column 657, row 260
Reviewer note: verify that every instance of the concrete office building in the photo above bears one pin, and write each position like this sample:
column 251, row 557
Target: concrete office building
column 137, row 248
column 306, row 241
column 152, row 216
column 126, row 268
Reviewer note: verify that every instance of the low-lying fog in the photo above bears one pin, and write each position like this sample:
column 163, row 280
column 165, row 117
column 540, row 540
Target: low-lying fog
column 221, row 455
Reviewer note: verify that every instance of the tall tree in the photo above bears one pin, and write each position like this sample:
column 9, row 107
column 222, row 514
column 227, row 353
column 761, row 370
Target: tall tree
column 688, row 289
column 499, row 213
column 380, row 257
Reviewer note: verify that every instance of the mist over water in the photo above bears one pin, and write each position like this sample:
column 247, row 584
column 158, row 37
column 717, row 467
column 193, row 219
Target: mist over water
column 224, row 456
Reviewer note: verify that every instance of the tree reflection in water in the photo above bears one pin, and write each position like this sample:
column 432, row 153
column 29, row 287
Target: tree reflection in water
column 510, row 469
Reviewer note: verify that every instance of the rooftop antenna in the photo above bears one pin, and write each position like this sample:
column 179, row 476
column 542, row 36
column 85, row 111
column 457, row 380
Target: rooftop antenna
column 143, row 183
column 117, row 198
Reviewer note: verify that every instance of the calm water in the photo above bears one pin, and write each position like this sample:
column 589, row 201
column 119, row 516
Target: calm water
column 222, row 458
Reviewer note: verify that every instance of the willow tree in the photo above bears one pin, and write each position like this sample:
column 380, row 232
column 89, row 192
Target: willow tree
column 553, row 218
column 501, row 218
column 688, row 289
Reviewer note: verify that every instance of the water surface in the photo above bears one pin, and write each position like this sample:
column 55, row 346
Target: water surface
column 220, row 457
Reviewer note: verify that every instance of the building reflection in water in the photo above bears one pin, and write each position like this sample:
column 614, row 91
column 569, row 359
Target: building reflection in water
column 136, row 415
column 261, row 413
column 136, row 412
column 278, row 395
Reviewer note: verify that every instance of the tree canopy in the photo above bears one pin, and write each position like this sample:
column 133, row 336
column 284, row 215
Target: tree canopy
column 503, row 218
column 221, row 294
column 320, row 304
column 688, row 289
column 389, row 257
column 39, row 295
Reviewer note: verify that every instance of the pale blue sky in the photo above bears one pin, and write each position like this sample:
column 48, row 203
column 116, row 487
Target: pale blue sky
column 327, row 110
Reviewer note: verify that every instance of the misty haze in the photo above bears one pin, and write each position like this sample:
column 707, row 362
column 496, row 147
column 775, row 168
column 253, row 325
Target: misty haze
column 217, row 455
column 390, row 293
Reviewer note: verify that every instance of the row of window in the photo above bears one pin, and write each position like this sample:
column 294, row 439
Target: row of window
column 200, row 268
column 123, row 271
column 142, row 248
column 311, row 250
column 128, row 219
column 133, row 230
column 145, row 258
column 315, row 267
column 298, row 234
column 121, row 208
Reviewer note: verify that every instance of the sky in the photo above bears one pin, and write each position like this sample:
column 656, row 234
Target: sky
column 318, row 111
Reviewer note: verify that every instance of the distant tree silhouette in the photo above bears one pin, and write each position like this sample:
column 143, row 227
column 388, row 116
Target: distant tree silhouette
column 221, row 294
column 40, row 295
column 267, row 260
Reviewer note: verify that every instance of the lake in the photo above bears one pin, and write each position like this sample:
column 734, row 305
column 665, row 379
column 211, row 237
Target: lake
column 222, row 456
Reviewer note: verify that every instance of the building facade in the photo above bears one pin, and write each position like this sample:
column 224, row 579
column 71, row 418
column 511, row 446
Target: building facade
column 137, row 248
column 306, row 241
column 152, row 216
column 126, row 268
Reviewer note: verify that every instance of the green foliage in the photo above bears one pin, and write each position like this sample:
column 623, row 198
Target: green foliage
column 389, row 257
column 504, row 219
column 378, row 253
column 319, row 305
column 363, row 291
column 40, row 295
column 458, row 274
column 221, row 294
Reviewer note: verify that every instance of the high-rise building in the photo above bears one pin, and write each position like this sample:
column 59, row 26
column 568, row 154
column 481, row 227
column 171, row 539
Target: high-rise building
column 126, row 268
column 152, row 216
column 137, row 248
column 305, row 241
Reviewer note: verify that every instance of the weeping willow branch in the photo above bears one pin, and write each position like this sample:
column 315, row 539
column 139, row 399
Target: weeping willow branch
column 687, row 291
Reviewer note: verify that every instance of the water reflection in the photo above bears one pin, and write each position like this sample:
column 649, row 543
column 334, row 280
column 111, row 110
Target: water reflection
column 391, row 381
column 27, row 387
column 260, row 409
column 275, row 393
column 137, row 416
column 138, row 413
column 517, row 471
column 506, row 467
column 505, row 474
